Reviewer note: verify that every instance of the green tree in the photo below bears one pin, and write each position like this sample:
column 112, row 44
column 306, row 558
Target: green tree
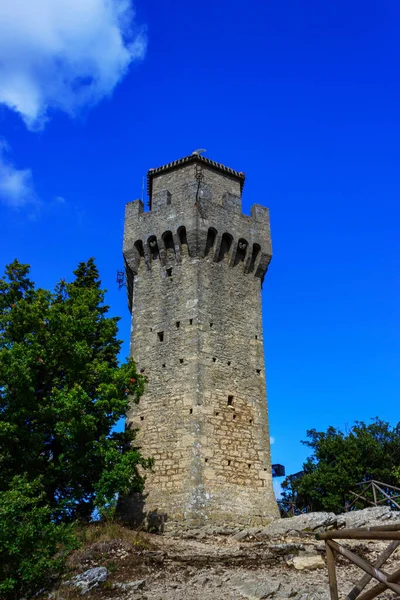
column 62, row 391
column 33, row 546
column 340, row 461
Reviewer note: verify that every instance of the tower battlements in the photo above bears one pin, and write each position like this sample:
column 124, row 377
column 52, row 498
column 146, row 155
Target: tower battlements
column 200, row 206
column 194, row 266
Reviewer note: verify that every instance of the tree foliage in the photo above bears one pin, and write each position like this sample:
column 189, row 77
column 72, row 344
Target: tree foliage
column 340, row 461
column 33, row 546
column 62, row 391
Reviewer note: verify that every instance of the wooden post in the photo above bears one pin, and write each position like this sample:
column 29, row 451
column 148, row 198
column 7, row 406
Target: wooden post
column 365, row 566
column 374, row 492
column 362, row 534
column 330, row 559
column 358, row 588
column 378, row 589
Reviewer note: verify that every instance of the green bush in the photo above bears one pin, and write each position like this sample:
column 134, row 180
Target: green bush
column 33, row 547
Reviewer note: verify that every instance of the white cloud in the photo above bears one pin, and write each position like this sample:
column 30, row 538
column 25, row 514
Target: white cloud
column 64, row 54
column 272, row 440
column 16, row 185
column 277, row 489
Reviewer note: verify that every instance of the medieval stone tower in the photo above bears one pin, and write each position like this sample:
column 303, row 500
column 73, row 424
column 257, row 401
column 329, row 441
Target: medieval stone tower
column 194, row 266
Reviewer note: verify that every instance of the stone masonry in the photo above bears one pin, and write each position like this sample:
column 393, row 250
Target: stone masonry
column 195, row 266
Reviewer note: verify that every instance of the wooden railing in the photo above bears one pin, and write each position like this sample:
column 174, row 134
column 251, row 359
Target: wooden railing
column 378, row 489
column 385, row 580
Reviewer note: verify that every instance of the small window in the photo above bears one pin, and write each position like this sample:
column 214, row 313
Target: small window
column 234, row 417
column 211, row 324
column 163, row 366
column 178, row 324
column 214, row 359
column 249, row 465
column 206, row 460
column 258, row 371
column 229, row 363
column 229, row 463
column 190, row 321
column 142, row 418
column 160, row 335
column 169, row 272
column 191, row 411
column 256, row 337
column 230, row 400
column 181, row 360
column 250, row 421
column 217, row 414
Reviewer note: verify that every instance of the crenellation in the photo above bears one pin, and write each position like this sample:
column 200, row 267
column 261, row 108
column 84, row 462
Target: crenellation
column 194, row 266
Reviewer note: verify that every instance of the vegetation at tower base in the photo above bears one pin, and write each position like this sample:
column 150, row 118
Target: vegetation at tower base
column 33, row 547
column 340, row 461
column 62, row 391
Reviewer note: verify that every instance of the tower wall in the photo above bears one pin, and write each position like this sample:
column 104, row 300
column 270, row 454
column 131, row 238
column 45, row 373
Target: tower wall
column 194, row 266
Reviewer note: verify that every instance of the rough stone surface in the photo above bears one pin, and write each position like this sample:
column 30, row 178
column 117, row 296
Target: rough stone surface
column 307, row 522
column 220, row 567
column 374, row 515
column 89, row 579
column 307, row 562
column 195, row 266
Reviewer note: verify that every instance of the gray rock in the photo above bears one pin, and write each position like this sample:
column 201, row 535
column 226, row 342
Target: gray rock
column 89, row 579
column 131, row 586
column 307, row 522
column 241, row 535
column 367, row 517
column 254, row 589
column 310, row 562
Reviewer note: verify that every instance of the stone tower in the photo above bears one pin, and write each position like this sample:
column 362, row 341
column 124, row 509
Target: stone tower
column 195, row 266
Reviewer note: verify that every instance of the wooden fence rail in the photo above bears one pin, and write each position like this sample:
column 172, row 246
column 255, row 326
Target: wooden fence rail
column 378, row 489
column 386, row 581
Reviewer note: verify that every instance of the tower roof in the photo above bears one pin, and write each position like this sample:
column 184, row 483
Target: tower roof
column 192, row 159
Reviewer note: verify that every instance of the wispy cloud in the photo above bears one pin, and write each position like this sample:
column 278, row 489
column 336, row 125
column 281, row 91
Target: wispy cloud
column 16, row 185
column 272, row 440
column 64, row 54
column 277, row 489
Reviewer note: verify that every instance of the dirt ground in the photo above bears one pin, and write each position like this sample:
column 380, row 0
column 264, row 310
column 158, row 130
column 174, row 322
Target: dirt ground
column 196, row 566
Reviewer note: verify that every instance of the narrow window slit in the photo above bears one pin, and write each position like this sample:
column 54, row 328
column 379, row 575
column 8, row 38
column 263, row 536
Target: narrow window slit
column 191, row 411
column 190, row 321
column 230, row 400
column 250, row 421
column 206, row 460
column 214, row 359
column 229, row 363
column 229, row 463
column 211, row 324
column 163, row 366
column 169, row 272
column 160, row 336
column 249, row 465
column 234, row 417
column 217, row 414
column 142, row 418
column 178, row 324
column 181, row 360
column 256, row 337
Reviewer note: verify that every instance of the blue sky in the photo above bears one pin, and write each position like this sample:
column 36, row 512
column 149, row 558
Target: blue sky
column 302, row 96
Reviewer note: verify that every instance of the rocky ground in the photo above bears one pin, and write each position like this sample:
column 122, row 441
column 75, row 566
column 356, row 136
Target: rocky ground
column 281, row 561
